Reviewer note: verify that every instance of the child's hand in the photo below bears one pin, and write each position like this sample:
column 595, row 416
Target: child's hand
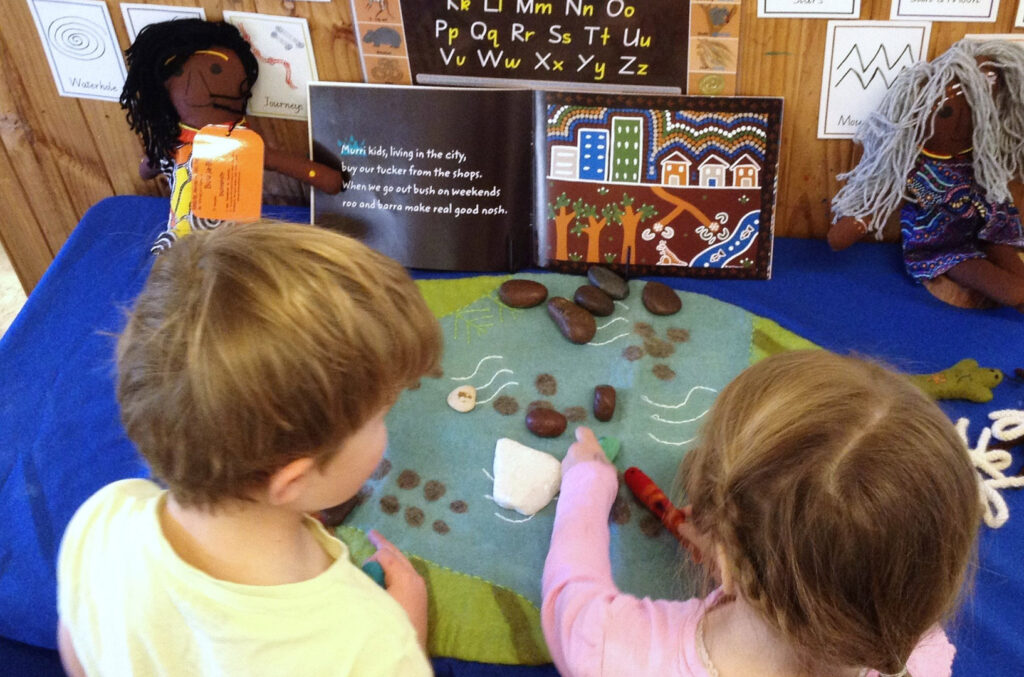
column 402, row 582
column 585, row 448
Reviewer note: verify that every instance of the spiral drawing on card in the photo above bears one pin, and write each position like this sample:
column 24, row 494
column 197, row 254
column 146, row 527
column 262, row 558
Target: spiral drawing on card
column 77, row 38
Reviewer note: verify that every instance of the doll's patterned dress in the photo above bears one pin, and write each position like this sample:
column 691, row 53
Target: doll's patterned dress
column 948, row 218
column 178, row 171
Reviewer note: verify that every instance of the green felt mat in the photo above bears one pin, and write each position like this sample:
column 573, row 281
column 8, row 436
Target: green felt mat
column 432, row 495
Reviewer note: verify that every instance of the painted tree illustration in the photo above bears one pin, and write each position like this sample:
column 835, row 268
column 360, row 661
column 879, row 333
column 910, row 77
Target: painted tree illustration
column 630, row 219
column 560, row 212
column 593, row 227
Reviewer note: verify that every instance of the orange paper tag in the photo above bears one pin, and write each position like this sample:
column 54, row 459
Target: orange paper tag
column 227, row 173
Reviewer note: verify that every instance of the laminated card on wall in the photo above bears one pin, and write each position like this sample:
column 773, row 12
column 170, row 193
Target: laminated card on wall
column 500, row 179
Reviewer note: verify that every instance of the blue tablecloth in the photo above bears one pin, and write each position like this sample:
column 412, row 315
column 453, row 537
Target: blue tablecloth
column 60, row 438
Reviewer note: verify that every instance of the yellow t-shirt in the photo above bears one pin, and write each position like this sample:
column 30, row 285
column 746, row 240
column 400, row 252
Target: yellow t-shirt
column 132, row 606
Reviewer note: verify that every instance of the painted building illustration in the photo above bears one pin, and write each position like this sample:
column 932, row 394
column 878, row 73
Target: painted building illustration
column 675, row 170
column 593, row 154
column 564, row 162
column 745, row 172
column 627, row 149
column 685, row 149
column 711, row 172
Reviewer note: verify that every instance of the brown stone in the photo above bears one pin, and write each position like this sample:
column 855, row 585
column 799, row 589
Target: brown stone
column 575, row 323
column 661, row 299
column 522, row 293
column 441, row 527
column 458, row 507
column 593, row 299
column 546, row 422
column 608, row 282
column 604, row 402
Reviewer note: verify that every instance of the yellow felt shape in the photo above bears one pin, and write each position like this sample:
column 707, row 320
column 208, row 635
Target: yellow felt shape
column 965, row 380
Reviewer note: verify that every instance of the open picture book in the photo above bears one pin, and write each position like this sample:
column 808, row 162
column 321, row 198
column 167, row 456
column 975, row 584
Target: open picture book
column 501, row 179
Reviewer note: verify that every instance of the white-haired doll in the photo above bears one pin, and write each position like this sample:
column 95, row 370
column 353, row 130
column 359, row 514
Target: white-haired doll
column 945, row 142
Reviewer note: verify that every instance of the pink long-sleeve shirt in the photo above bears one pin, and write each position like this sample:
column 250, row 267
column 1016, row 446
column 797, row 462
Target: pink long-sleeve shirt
column 593, row 629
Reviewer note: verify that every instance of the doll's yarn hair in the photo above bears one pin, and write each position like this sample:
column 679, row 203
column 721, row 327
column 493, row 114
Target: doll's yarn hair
column 893, row 134
column 159, row 50
column 844, row 501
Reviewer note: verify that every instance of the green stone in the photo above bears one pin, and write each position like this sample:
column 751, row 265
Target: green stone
column 611, row 446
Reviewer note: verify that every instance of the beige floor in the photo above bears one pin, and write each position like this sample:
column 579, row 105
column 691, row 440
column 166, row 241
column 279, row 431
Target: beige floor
column 12, row 296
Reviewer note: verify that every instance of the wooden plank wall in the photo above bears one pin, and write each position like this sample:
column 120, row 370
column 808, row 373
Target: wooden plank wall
column 60, row 155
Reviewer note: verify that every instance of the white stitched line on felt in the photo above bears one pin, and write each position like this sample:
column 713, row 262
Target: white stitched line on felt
column 482, row 360
column 609, row 340
column 674, row 444
column 484, row 471
column 620, row 303
column 611, row 322
column 659, row 419
column 500, row 388
column 681, row 404
column 513, row 521
column 500, row 371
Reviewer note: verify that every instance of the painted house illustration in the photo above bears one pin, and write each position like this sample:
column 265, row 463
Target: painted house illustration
column 593, row 154
column 675, row 169
column 564, row 162
column 745, row 172
column 627, row 149
column 712, row 172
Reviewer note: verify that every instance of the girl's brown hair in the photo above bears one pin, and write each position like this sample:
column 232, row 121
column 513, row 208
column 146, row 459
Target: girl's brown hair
column 255, row 344
column 845, row 503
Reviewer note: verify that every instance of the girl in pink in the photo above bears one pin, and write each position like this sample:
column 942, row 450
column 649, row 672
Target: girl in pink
column 831, row 502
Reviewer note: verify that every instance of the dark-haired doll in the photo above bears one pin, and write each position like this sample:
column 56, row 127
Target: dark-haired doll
column 183, row 75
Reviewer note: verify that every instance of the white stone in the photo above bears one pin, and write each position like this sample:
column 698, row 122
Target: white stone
column 462, row 399
column 525, row 479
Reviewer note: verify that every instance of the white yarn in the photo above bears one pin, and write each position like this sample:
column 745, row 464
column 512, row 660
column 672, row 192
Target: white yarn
column 1008, row 425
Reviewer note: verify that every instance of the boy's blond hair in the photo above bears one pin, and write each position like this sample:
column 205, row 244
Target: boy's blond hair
column 845, row 501
column 252, row 345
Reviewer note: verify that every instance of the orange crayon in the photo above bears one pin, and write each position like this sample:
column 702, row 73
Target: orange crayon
column 648, row 493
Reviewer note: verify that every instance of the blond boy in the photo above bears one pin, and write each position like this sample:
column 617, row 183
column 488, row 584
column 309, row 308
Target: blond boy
column 254, row 375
